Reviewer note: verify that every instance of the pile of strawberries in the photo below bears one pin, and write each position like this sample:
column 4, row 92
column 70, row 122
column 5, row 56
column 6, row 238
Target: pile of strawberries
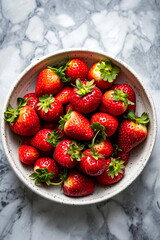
column 79, row 126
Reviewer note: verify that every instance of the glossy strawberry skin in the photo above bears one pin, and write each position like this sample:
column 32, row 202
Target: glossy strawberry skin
column 48, row 83
column 64, row 95
column 131, row 94
column 40, row 140
column 130, row 135
column 104, row 179
column 28, row 154
column 90, row 165
column 69, row 106
column 124, row 156
column 78, row 127
column 49, row 163
column 109, row 122
column 78, row 185
column 27, row 124
column 87, row 103
column 76, row 69
column 49, row 125
column 61, row 155
column 94, row 73
column 104, row 148
column 54, row 112
column 33, row 101
column 110, row 106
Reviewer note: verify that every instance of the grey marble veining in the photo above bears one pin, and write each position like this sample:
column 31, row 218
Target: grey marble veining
column 128, row 29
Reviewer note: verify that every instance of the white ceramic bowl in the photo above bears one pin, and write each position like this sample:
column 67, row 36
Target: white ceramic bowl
column 26, row 83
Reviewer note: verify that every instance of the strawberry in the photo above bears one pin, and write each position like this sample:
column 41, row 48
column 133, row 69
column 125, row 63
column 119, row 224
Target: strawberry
column 132, row 131
column 76, row 126
column 93, row 164
column 85, row 97
column 49, row 109
column 109, row 122
column 64, row 95
column 76, row 69
column 23, row 120
column 28, row 154
column 118, row 153
column 104, row 148
column 68, row 153
column 49, row 125
column 45, row 169
column 69, row 106
column 114, row 102
column 45, row 140
column 48, row 83
column 104, row 74
column 114, row 171
column 61, row 133
column 78, row 185
column 32, row 100
column 131, row 94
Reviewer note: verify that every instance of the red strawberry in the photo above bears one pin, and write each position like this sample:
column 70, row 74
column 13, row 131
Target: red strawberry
column 132, row 131
column 32, row 101
column 50, row 109
column 131, row 94
column 109, row 122
column 45, row 169
column 64, row 95
column 45, row 140
column 68, row 153
column 76, row 69
column 124, row 156
column 61, row 133
column 28, row 154
column 104, row 74
column 104, row 148
column 114, row 102
column 69, row 106
column 49, row 125
column 85, row 97
column 78, row 185
column 48, row 83
column 27, row 141
column 22, row 120
column 92, row 163
column 76, row 126
column 113, row 172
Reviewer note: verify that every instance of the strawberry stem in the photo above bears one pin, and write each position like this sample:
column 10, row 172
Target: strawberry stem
column 60, row 71
column 120, row 95
column 144, row 119
column 64, row 119
column 115, row 167
column 45, row 102
column 53, row 138
column 108, row 70
column 83, row 89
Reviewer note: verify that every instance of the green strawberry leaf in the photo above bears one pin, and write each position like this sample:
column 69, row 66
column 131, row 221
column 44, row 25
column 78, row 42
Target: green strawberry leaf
column 120, row 95
column 45, row 102
column 83, row 89
column 115, row 167
column 144, row 119
column 75, row 151
column 116, row 148
column 97, row 127
column 11, row 114
column 53, row 138
column 64, row 119
column 42, row 175
column 108, row 70
column 60, row 71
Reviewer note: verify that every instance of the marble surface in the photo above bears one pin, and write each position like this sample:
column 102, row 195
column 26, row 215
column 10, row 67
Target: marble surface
column 127, row 29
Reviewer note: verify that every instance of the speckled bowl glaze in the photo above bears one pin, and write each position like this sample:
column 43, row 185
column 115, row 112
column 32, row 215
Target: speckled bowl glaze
column 140, row 155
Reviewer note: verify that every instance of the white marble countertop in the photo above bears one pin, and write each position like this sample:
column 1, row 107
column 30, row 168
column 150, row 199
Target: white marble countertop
column 128, row 29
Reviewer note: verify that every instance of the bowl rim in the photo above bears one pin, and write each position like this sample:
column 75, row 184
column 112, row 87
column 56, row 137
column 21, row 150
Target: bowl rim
column 15, row 83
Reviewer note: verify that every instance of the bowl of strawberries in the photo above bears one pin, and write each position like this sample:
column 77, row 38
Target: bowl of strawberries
column 78, row 126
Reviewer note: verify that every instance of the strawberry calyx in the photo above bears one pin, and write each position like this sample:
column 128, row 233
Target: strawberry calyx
column 116, row 148
column 120, row 95
column 108, row 70
column 60, row 71
column 115, row 167
column 64, row 119
column 45, row 102
column 53, row 138
column 97, row 127
column 144, row 119
column 42, row 175
column 75, row 151
column 12, row 114
column 83, row 89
